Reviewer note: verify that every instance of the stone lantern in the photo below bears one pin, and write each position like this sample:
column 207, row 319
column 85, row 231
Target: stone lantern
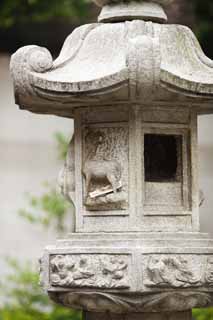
column 135, row 87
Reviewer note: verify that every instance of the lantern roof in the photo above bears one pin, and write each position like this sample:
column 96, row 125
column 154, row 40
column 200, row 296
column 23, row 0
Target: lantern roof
column 134, row 60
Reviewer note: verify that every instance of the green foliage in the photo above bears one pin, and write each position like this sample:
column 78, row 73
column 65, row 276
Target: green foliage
column 204, row 27
column 203, row 314
column 204, row 14
column 62, row 145
column 23, row 296
column 50, row 209
column 22, row 11
column 25, row 299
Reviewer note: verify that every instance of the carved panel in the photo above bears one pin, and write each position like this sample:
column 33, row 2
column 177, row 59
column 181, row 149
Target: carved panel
column 209, row 272
column 90, row 270
column 105, row 167
column 178, row 271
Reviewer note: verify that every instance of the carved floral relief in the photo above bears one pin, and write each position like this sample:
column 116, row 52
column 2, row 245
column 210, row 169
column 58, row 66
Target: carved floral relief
column 209, row 272
column 178, row 271
column 105, row 168
column 89, row 270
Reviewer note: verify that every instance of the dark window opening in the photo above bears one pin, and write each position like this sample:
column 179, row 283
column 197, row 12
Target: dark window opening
column 163, row 158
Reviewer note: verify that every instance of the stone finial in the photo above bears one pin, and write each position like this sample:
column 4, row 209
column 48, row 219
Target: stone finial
column 122, row 10
column 102, row 3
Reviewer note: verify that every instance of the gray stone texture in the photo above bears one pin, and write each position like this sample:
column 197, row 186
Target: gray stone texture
column 135, row 90
column 141, row 316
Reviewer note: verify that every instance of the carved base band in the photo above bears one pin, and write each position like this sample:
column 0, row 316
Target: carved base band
column 133, row 272
column 173, row 301
column 139, row 316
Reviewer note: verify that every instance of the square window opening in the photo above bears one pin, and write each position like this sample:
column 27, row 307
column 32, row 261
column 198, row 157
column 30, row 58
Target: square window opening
column 163, row 158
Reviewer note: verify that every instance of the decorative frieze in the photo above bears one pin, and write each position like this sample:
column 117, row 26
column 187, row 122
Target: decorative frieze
column 178, row 271
column 90, row 270
column 209, row 272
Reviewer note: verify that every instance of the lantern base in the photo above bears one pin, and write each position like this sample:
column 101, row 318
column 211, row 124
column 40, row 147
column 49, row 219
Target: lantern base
column 161, row 303
column 139, row 316
column 127, row 273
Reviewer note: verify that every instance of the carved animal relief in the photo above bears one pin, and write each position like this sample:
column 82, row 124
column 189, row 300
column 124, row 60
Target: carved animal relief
column 105, row 168
column 98, row 271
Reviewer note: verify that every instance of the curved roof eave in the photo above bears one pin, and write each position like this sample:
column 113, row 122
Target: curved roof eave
column 184, row 66
column 94, row 62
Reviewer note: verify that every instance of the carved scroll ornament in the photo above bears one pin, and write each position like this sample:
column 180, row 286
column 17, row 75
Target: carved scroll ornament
column 25, row 60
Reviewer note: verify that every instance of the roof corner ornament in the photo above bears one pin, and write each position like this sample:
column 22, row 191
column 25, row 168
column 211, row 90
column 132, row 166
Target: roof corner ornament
column 25, row 60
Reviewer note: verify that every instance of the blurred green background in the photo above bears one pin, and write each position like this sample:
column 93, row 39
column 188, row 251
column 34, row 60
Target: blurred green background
column 24, row 22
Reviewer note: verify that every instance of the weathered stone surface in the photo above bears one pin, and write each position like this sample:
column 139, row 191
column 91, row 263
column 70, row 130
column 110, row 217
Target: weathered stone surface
column 113, row 193
column 134, row 316
column 121, row 11
column 130, row 272
column 102, row 3
column 135, row 89
column 89, row 271
column 136, row 58
column 178, row 301
column 178, row 271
